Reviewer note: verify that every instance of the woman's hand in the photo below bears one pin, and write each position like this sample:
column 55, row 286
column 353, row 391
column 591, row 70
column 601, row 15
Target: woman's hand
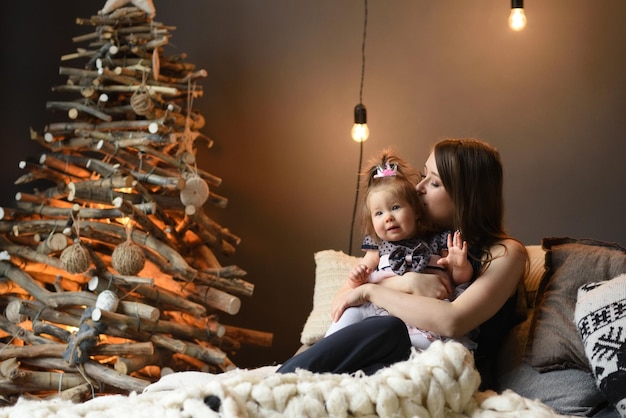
column 346, row 297
column 434, row 285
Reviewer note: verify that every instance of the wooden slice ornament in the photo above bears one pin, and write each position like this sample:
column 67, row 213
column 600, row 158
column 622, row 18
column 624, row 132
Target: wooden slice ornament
column 108, row 301
column 12, row 312
column 56, row 241
column 195, row 193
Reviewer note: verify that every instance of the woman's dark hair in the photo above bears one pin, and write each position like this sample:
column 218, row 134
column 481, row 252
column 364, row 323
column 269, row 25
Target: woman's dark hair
column 471, row 172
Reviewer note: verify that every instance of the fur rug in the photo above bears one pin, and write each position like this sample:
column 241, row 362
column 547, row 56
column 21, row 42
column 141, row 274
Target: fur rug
column 438, row 382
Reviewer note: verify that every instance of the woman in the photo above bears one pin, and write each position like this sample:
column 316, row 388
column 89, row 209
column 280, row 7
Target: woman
column 461, row 189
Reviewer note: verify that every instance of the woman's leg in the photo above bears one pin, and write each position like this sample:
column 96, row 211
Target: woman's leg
column 368, row 345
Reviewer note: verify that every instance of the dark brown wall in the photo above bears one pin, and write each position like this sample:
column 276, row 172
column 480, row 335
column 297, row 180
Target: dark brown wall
column 284, row 79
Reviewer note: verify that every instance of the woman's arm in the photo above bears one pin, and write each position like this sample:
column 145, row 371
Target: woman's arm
column 434, row 285
column 454, row 319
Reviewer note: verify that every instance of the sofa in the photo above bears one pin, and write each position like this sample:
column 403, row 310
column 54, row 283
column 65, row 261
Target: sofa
column 544, row 357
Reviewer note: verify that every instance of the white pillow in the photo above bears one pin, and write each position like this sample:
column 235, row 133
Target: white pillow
column 600, row 317
column 331, row 271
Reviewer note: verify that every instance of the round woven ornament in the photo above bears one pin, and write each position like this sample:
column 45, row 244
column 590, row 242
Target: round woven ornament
column 128, row 258
column 141, row 103
column 75, row 259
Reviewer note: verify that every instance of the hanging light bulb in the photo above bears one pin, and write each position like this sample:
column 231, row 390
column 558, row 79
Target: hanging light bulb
column 360, row 131
column 517, row 18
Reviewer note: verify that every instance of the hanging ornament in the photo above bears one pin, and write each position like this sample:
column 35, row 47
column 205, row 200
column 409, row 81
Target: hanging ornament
column 75, row 258
column 195, row 193
column 141, row 102
column 128, row 258
column 156, row 64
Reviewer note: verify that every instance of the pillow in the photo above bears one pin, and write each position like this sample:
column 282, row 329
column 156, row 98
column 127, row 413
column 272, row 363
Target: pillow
column 536, row 270
column 331, row 270
column 554, row 342
column 601, row 320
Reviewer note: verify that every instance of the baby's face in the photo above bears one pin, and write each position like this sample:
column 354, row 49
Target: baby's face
column 393, row 218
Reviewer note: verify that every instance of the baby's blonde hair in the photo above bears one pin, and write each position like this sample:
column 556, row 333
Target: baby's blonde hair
column 402, row 184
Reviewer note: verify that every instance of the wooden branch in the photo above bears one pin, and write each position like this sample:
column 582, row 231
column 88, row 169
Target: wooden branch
column 128, row 365
column 10, row 351
column 129, row 160
column 248, row 336
column 164, row 90
column 106, row 280
column 94, row 370
column 233, row 285
column 211, row 179
column 37, row 172
column 146, row 223
column 75, row 394
column 89, row 187
column 16, row 380
column 45, row 313
column 71, row 107
column 213, row 298
column 23, row 334
column 126, row 349
column 166, row 297
column 57, row 280
column 67, row 167
column 141, row 325
column 139, row 310
column 24, row 280
column 83, row 213
column 61, row 334
column 209, row 355
column 209, row 323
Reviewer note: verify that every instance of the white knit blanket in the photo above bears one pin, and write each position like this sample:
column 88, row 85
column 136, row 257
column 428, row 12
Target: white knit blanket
column 438, row 382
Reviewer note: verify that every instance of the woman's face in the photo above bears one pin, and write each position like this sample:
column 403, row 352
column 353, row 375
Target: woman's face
column 436, row 200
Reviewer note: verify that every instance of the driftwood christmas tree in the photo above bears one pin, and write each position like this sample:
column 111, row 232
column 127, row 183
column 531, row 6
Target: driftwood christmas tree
column 109, row 272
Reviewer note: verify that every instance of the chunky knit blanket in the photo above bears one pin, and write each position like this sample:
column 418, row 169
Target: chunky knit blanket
column 438, row 382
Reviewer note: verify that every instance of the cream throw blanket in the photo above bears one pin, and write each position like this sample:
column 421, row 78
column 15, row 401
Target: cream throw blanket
column 438, row 382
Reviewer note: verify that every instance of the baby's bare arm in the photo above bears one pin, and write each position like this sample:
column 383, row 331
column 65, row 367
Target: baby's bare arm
column 456, row 261
column 360, row 273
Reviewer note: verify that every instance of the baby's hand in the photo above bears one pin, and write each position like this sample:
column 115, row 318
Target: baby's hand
column 358, row 275
column 457, row 250
column 456, row 259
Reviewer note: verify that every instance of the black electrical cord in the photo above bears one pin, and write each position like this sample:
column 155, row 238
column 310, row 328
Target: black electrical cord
column 358, row 174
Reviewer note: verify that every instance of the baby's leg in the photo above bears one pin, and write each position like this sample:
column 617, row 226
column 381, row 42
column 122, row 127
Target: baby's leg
column 350, row 316
column 421, row 339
